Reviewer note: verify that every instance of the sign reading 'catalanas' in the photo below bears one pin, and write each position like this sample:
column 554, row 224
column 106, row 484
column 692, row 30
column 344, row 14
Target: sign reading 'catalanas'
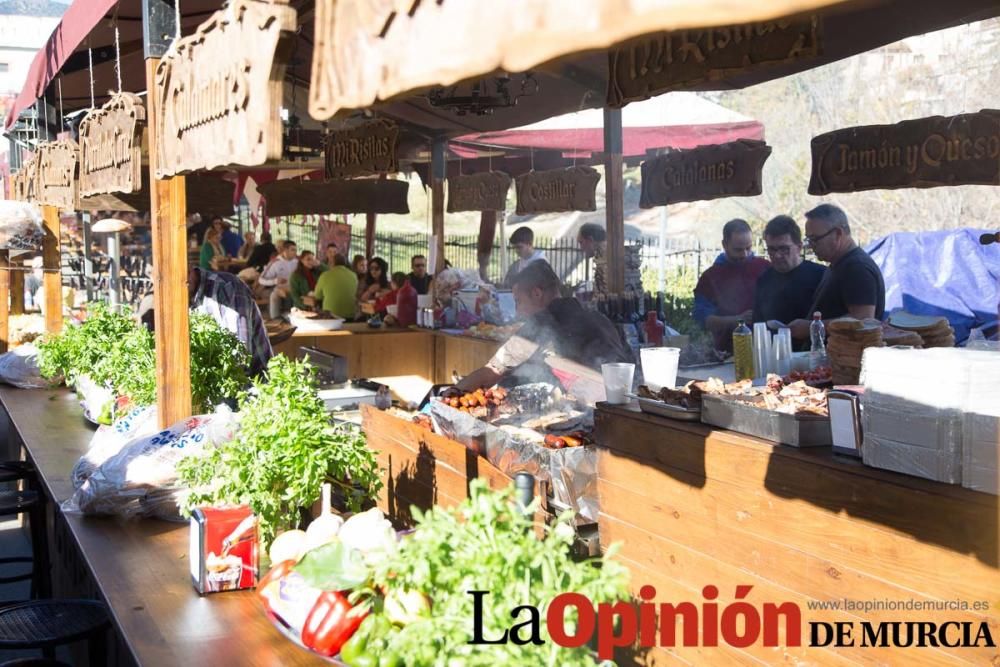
column 668, row 61
column 557, row 190
column 478, row 192
column 57, row 182
column 369, row 148
column 220, row 89
column 922, row 153
column 111, row 147
column 706, row 172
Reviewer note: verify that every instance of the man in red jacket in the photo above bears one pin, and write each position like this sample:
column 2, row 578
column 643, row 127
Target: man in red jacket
column 724, row 294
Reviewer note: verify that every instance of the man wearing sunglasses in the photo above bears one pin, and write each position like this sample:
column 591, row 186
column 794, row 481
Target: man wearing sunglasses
column 785, row 292
column 853, row 286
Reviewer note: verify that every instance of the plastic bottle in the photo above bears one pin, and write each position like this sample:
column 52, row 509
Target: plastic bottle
column 406, row 305
column 817, row 339
column 654, row 329
column 743, row 351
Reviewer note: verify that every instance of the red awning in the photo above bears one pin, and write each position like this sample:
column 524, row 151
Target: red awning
column 78, row 21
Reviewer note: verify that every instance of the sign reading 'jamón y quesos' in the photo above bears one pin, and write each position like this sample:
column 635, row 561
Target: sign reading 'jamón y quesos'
column 367, row 149
column 921, row 153
column 702, row 173
column 220, row 89
column 478, row 192
column 557, row 190
column 57, row 174
column 111, row 147
column 671, row 60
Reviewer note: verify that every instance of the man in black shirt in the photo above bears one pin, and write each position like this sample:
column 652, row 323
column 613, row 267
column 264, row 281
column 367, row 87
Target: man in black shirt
column 554, row 325
column 853, row 286
column 419, row 279
column 262, row 254
column 786, row 290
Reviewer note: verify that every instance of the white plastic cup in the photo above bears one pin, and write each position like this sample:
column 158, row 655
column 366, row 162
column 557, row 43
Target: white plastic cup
column 761, row 349
column 617, row 382
column 425, row 300
column 659, row 366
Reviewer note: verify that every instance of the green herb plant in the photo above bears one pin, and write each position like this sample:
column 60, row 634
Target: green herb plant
column 90, row 347
column 286, row 448
column 486, row 544
column 219, row 362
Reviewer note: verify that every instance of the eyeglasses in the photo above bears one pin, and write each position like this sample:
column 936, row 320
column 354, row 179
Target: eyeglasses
column 774, row 251
column 811, row 241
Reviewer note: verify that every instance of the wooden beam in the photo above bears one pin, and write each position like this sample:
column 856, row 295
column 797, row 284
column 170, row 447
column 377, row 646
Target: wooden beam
column 51, row 265
column 168, row 212
column 484, row 245
column 370, row 235
column 438, row 173
column 4, row 301
column 17, row 290
column 614, row 200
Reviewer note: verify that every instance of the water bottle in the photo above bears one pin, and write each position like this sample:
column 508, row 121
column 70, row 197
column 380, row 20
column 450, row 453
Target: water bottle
column 817, row 338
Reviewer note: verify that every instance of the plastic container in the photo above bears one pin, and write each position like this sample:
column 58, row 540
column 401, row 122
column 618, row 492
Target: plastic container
column 659, row 366
column 743, row 351
column 406, row 305
column 617, row 382
column 817, row 342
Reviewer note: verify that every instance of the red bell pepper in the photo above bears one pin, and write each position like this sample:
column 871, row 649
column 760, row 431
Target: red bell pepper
column 330, row 623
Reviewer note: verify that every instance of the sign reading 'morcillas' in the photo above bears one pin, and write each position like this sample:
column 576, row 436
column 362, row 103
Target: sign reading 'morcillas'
column 705, row 172
column 369, row 148
column 478, row 192
column 921, row 153
column 220, row 89
column 557, row 190
column 111, row 147
column 57, row 174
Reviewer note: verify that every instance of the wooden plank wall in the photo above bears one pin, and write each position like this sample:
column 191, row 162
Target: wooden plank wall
column 693, row 507
column 464, row 355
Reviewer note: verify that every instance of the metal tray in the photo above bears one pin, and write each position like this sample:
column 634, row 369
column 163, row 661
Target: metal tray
column 778, row 427
column 661, row 409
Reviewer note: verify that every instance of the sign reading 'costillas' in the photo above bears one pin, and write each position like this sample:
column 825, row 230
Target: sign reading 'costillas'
column 111, row 147
column 921, row 153
column 557, row 190
column 706, row 172
column 57, row 182
column 478, row 192
column 369, row 148
column 668, row 61
column 220, row 89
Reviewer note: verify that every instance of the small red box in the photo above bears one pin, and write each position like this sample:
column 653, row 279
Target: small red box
column 223, row 549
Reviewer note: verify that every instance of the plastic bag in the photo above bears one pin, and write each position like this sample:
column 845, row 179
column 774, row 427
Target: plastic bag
column 141, row 478
column 108, row 440
column 20, row 226
column 19, row 367
column 96, row 400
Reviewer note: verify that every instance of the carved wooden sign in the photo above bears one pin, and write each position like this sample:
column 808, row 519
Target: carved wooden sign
column 369, row 148
column 556, row 190
column 362, row 195
column 24, row 182
column 57, row 174
column 705, row 172
column 673, row 60
column 111, row 146
column 220, row 89
column 478, row 192
column 921, row 153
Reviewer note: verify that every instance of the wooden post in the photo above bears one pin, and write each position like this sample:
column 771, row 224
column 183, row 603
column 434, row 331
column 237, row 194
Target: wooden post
column 369, row 235
column 484, row 245
column 51, row 265
column 614, row 198
column 4, row 300
column 437, row 200
column 16, row 288
column 168, row 213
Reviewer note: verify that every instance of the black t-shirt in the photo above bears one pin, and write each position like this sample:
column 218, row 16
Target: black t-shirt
column 787, row 296
column 422, row 285
column 261, row 255
column 853, row 280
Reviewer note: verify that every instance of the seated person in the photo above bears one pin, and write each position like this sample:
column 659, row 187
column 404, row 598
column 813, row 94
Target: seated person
column 724, row 293
column 213, row 256
column 554, row 325
column 336, row 288
column 785, row 291
column 419, row 279
column 376, row 281
column 303, row 281
column 389, row 298
column 853, row 286
column 262, row 253
column 276, row 276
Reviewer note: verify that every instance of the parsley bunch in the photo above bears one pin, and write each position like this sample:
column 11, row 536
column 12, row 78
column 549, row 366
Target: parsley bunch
column 91, row 347
column 285, row 449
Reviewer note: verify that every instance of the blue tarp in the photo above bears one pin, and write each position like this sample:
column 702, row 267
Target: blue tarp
column 944, row 273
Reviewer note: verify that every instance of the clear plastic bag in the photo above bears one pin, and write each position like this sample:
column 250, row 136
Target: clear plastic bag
column 20, row 226
column 19, row 367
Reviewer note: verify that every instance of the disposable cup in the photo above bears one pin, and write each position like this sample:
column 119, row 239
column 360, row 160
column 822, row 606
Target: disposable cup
column 425, row 301
column 659, row 366
column 617, row 382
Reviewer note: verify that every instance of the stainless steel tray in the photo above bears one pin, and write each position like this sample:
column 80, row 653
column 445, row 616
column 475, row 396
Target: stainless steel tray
column 779, row 427
column 662, row 409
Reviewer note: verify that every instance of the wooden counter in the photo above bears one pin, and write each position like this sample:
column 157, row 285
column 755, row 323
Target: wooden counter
column 695, row 506
column 140, row 568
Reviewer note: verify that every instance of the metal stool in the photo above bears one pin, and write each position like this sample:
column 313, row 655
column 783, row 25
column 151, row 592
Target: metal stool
column 31, row 502
column 45, row 624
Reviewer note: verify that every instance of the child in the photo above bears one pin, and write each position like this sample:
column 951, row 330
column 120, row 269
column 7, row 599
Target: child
column 397, row 281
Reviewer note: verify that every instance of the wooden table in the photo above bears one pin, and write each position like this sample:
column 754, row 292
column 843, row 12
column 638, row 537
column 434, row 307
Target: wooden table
column 140, row 568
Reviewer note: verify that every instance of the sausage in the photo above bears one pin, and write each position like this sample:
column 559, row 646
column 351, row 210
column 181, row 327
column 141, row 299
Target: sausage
column 550, row 440
column 572, row 441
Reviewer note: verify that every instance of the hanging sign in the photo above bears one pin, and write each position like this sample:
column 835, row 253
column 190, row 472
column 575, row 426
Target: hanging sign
column 220, row 89
column 363, row 195
column 705, row 172
column 674, row 60
column 57, row 174
column 921, row 153
column 367, row 149
column 111, row 147
column 478, row 192
column 24, row 182
column 557, row 190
